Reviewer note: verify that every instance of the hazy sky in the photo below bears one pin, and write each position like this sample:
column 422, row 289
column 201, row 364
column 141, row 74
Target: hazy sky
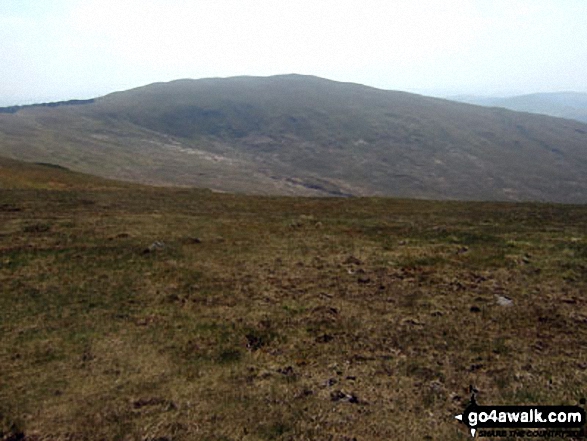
column 64, row 49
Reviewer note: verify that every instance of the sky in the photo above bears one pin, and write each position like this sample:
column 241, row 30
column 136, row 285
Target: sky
column 73, row 49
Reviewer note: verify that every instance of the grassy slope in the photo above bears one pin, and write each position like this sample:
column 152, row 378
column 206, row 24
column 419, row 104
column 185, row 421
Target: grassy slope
column 21, row 175
column 305, row 135
column 282, row 310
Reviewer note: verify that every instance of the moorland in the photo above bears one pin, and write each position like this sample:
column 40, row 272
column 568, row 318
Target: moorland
column 130, row 312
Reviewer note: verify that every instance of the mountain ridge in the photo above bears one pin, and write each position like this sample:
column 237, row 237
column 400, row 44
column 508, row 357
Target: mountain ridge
column 566, row 104
column 303, row 135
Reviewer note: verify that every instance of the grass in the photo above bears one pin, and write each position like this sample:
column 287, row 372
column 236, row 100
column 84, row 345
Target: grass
column 282, row 307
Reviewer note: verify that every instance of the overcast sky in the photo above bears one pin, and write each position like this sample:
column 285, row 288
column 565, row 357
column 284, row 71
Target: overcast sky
column 64, row 49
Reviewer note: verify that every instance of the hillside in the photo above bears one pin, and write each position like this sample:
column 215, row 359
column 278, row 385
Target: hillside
column 22, row 175
column 570, row 105
column 299, row 135
column 179, row 314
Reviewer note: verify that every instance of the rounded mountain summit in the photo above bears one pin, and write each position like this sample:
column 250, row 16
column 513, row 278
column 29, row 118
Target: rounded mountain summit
column 303, row 135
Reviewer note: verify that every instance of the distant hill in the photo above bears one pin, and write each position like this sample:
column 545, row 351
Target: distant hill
column 14, row 109
column 570, row 105
column 303, row 135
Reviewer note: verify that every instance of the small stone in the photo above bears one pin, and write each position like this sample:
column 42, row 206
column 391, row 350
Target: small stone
column 154, row 247
column 339, row 395
column 353, row 399
column 504, row 301
column 412, row 322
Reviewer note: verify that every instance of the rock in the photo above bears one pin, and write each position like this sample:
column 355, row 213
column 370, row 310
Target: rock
column 154, row 247
column 353, row 399
column 330, row 382
column 412, row 321
column 504, row 301
column 339, row 395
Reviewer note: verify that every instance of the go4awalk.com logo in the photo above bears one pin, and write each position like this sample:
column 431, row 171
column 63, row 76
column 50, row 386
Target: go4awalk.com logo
column 544, row 421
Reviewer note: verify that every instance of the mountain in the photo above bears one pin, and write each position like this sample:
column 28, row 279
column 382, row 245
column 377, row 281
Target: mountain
column 570, row 105
column 303, row 135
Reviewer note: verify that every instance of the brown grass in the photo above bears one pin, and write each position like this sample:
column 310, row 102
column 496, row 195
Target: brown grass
column 275, row 318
